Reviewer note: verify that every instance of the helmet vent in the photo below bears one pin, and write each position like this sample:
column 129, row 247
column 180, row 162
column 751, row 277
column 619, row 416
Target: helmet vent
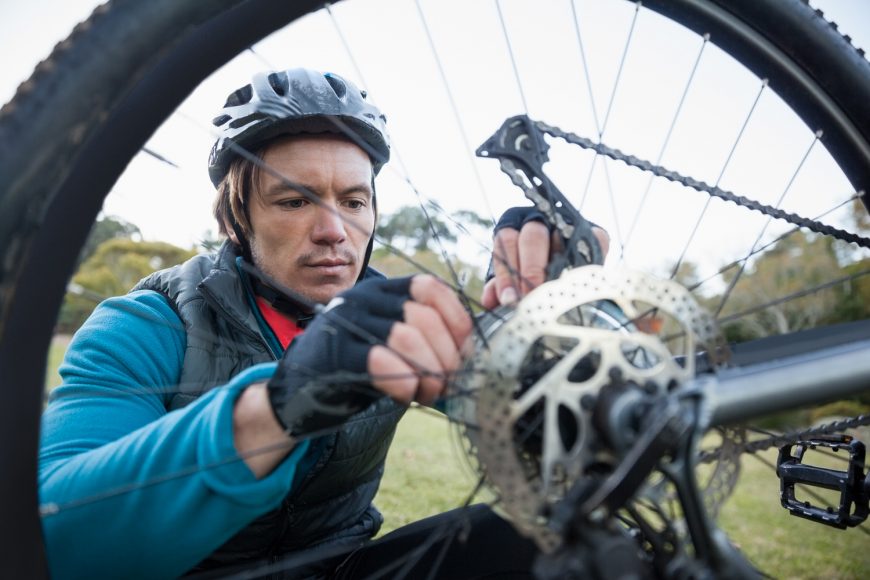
column 279, row 83
column 240, row 97
column 337, row 85
column 218, row 121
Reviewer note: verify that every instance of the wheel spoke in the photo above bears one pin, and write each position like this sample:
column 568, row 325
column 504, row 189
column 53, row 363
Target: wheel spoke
column 610, row 102
column 667, row 140
column 586, row 75
column 455, row 108
column 794, row 296
column 160, row 157
column 767, row 222
column 513, row 59
column 613, row 207
column 773, row 242
column 52, row 509
column 718, row 179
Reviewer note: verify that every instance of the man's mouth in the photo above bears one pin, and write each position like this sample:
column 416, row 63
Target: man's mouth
column 329, row 266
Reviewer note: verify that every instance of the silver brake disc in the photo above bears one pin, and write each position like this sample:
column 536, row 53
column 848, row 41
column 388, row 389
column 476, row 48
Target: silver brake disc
column 524, row 402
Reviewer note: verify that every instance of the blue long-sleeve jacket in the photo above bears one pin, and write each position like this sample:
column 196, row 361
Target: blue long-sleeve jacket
column 127, row 488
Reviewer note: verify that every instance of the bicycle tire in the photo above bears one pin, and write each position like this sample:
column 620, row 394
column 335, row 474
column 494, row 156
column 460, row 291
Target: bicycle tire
column 58, row 162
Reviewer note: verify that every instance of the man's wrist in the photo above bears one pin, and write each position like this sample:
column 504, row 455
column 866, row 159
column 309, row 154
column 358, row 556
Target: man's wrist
column 259, row 438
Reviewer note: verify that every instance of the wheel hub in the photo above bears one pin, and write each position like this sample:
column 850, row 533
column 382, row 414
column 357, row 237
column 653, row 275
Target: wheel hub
column 528, row 394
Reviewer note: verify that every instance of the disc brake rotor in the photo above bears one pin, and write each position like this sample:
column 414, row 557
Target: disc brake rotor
column 524, row 403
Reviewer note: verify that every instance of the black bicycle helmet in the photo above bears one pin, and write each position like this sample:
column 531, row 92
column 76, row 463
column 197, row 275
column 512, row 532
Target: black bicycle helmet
column 296, row 101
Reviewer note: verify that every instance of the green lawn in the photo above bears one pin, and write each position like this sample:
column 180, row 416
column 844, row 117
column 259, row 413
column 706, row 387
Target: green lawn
column 426, row 475
column 786, row 546
column 55, row 357
column 425, row 472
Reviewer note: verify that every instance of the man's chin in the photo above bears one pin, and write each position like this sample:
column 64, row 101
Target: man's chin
column 326, row 288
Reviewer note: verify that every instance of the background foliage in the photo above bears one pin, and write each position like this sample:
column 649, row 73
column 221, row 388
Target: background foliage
column 112, row 262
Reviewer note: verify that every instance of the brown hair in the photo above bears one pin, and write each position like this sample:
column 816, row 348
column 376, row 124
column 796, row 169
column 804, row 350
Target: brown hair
column 234, row 192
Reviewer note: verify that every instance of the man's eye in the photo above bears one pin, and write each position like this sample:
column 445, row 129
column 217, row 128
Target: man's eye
column 293, row 203
column 355, row 204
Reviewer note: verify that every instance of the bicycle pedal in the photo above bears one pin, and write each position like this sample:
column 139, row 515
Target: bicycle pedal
column 853, row 486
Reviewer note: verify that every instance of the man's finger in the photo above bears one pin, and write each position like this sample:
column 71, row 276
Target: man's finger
column 488, row 297
column 432, row 292
column 534, row 252
column 409, row 370
column 434, row 329
column 505, row 264
column 391, row 375
column 603, row 240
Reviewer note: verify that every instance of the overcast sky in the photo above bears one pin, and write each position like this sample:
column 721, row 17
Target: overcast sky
column 399, row 70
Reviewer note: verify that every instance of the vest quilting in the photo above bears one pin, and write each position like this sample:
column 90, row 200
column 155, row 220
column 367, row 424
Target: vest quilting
column 333, row 502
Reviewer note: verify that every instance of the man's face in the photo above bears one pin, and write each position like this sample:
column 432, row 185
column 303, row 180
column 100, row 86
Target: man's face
column 316, row 249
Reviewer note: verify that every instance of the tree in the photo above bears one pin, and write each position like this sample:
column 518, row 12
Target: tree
column 104, row 229
column 860, row 216
column 392, row 265
column 115, row 267
column 211, row 241
column 410, row 229
column 801, row 262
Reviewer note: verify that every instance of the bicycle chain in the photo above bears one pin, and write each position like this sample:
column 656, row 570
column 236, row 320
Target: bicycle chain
column 660, row 171
column 792, row 437
column 541, row 203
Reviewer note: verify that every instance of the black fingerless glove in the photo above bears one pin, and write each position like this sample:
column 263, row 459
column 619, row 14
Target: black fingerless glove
column 322, row 379
column 517, row 217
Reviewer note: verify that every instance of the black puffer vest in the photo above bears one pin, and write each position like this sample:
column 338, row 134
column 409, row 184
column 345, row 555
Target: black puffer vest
column 333, row 503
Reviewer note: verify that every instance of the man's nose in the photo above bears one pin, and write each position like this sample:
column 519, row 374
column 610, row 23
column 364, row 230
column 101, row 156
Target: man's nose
column 329, row 226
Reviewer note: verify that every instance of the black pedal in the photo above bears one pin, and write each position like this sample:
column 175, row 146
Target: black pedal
column 854, row 490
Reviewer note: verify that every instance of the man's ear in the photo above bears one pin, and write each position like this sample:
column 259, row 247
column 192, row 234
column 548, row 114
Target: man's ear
column 231, row 232
column 374, row 204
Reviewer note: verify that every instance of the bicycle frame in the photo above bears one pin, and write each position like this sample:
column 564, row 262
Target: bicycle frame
column 740, row 394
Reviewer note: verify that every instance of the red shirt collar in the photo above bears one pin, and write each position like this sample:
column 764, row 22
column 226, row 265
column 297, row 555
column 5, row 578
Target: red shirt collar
column 284, row 328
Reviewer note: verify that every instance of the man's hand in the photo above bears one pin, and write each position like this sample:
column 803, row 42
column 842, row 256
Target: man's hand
column 398, row 337
column 521, row 252
column 430, row 338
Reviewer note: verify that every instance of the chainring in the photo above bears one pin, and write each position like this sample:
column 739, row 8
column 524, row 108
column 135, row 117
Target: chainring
column 524, row 401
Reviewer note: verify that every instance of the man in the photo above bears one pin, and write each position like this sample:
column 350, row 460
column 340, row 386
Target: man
column 163, row 390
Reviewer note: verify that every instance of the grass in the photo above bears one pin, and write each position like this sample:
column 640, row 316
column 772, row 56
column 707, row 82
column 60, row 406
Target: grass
column 426, row 475
column 784, row 545
column 55, row 357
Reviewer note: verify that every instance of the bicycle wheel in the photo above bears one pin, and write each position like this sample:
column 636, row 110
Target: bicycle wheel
column 111, row 105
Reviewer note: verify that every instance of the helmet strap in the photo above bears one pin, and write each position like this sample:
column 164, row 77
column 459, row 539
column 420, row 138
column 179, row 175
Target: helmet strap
column 242, row 241
column 365, row 265
column 282, row 300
